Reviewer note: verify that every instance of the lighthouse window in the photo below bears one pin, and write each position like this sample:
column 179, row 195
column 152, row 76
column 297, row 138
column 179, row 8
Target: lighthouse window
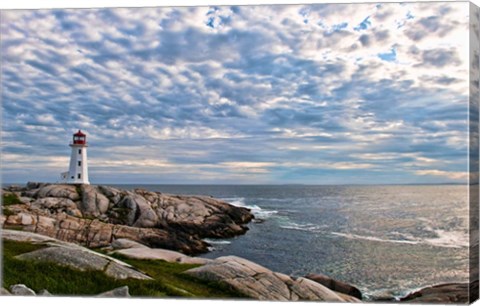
column 79, row 163
column 79, row 151
column 79, row 175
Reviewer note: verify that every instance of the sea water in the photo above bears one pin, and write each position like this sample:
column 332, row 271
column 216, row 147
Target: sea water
column 385, row 240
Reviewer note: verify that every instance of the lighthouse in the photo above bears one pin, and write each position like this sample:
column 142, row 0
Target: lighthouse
column 78, row 171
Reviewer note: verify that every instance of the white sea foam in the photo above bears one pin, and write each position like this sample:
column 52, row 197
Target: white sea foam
column 308, row 227
column 256, row 210
column 449, row 239
column 372, row 238
column 217, row 241
column 453, row 239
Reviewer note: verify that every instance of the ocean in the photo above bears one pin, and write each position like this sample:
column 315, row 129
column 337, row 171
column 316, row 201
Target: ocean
column 385, row 240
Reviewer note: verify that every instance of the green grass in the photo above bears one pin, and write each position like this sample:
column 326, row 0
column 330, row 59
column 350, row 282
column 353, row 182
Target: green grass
column 10, row 199
column 168, row 278
column 7, row 212
column 172, row 275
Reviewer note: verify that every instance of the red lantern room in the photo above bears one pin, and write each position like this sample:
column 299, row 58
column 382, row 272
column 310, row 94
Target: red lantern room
column 79, row 138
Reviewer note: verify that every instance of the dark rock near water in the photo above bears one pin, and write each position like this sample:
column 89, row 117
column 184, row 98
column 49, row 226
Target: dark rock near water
column 336, row 285
column 457, row 293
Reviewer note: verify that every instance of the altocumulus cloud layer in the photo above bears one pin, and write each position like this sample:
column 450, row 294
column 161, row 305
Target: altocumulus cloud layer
column 320, row 94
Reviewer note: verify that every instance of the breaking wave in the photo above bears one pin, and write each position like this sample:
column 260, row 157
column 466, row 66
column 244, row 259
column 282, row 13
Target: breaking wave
column 217, row 241
column 256, row 210
column 445, row 239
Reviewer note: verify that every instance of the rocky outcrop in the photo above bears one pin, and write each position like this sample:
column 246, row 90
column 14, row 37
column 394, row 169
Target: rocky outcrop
column 260, row 283
column 335, row 285
column 96, row 215
column 72, row 255
column 135, row 250
column 95, row 233
column 457, row 293
column 83, row 260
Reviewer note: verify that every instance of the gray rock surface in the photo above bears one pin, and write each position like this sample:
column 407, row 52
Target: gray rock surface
column 117, row 292
column 21, row 289
column 44, row 292
column 335, row 285
column 161, row 254
column 94, row 203
column 260, row 283
column 119, row 271
column 72, row 255
column 457, row 293
column 66, row 256
column 56, row 191
column 122, row 243
column 83, row 260
column 56, row 205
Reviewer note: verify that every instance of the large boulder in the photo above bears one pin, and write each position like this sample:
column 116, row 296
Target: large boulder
column 54, row 205
column 201, row 215
column 134, row 210
column 66, row 256
column 84, row 260
column 336, row 285
column 260, row 283
column 56, row 191
column 93, row 202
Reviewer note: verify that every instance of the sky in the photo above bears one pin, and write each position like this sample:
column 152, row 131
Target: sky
column 274, row 94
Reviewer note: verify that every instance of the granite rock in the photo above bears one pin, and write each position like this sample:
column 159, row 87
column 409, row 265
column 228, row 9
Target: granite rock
column 457, row 293
column 336, row 285
column 117, row 292
column 21, row 289
column 160, row 254
column 260, row 283
column 94, row 216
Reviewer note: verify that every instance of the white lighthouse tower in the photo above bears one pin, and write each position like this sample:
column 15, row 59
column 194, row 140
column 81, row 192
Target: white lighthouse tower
column 78, row 171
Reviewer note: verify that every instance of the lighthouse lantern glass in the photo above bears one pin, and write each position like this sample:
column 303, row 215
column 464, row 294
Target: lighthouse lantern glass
column 78, row 139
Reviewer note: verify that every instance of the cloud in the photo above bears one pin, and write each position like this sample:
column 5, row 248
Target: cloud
column 316, row 93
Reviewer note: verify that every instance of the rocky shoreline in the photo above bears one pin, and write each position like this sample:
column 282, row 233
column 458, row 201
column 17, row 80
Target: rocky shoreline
column 142, row 224
column 96, row 215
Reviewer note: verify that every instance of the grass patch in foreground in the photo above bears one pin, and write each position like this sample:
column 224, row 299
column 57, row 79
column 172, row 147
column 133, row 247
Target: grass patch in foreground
column 172, row 275
column 65, row 281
